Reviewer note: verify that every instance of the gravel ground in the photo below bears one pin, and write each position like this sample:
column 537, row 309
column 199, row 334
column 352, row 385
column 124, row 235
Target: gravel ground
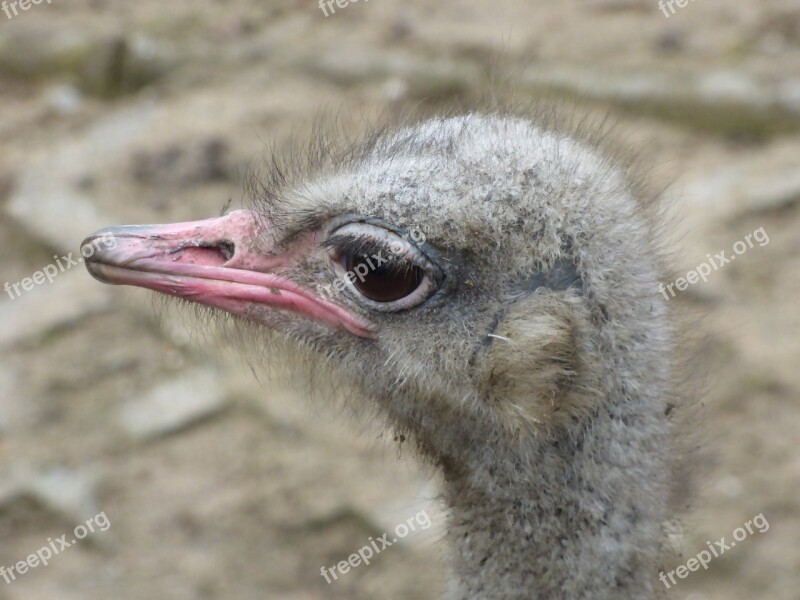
column 116, row 112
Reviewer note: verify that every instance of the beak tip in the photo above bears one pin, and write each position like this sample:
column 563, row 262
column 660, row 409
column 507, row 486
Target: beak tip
column 88, row 241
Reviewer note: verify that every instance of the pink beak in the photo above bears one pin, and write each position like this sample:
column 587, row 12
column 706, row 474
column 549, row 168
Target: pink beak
column 216, row 262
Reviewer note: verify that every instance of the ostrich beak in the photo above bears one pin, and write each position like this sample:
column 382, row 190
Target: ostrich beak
column 216, row 262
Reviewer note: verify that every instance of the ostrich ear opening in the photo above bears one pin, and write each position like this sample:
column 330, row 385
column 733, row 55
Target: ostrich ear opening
column 535, row 361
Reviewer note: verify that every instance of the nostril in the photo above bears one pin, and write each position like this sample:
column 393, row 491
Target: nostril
column 213, row 255
column 227, row 249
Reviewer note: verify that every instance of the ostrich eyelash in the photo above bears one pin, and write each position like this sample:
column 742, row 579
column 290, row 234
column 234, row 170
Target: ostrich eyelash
column 346, row 245
column 357, row 245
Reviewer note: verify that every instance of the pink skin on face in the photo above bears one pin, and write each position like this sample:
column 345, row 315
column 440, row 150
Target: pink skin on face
column 216, row 262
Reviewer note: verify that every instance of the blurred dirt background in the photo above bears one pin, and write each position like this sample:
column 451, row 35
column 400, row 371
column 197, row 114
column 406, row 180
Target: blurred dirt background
column 219, row 484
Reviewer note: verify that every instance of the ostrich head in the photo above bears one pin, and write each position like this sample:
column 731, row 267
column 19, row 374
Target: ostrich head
column 489, row 285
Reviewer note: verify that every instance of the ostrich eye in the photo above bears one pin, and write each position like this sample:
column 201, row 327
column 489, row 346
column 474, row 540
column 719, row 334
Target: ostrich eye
column 382, row 270
column 383, row 283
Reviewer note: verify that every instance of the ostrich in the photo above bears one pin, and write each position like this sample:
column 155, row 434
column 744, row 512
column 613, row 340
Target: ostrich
column 488, row 284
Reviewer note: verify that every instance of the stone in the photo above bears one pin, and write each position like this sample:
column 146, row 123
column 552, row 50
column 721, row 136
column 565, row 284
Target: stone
column 48, row 187
column 175, row 404
column 724, row 101
column 7, row 397
column 423, row 77
column 71, row 296
column 68, row 492
column 765, row 182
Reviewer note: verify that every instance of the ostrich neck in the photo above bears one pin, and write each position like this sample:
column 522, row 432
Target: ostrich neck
column 576, row 516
